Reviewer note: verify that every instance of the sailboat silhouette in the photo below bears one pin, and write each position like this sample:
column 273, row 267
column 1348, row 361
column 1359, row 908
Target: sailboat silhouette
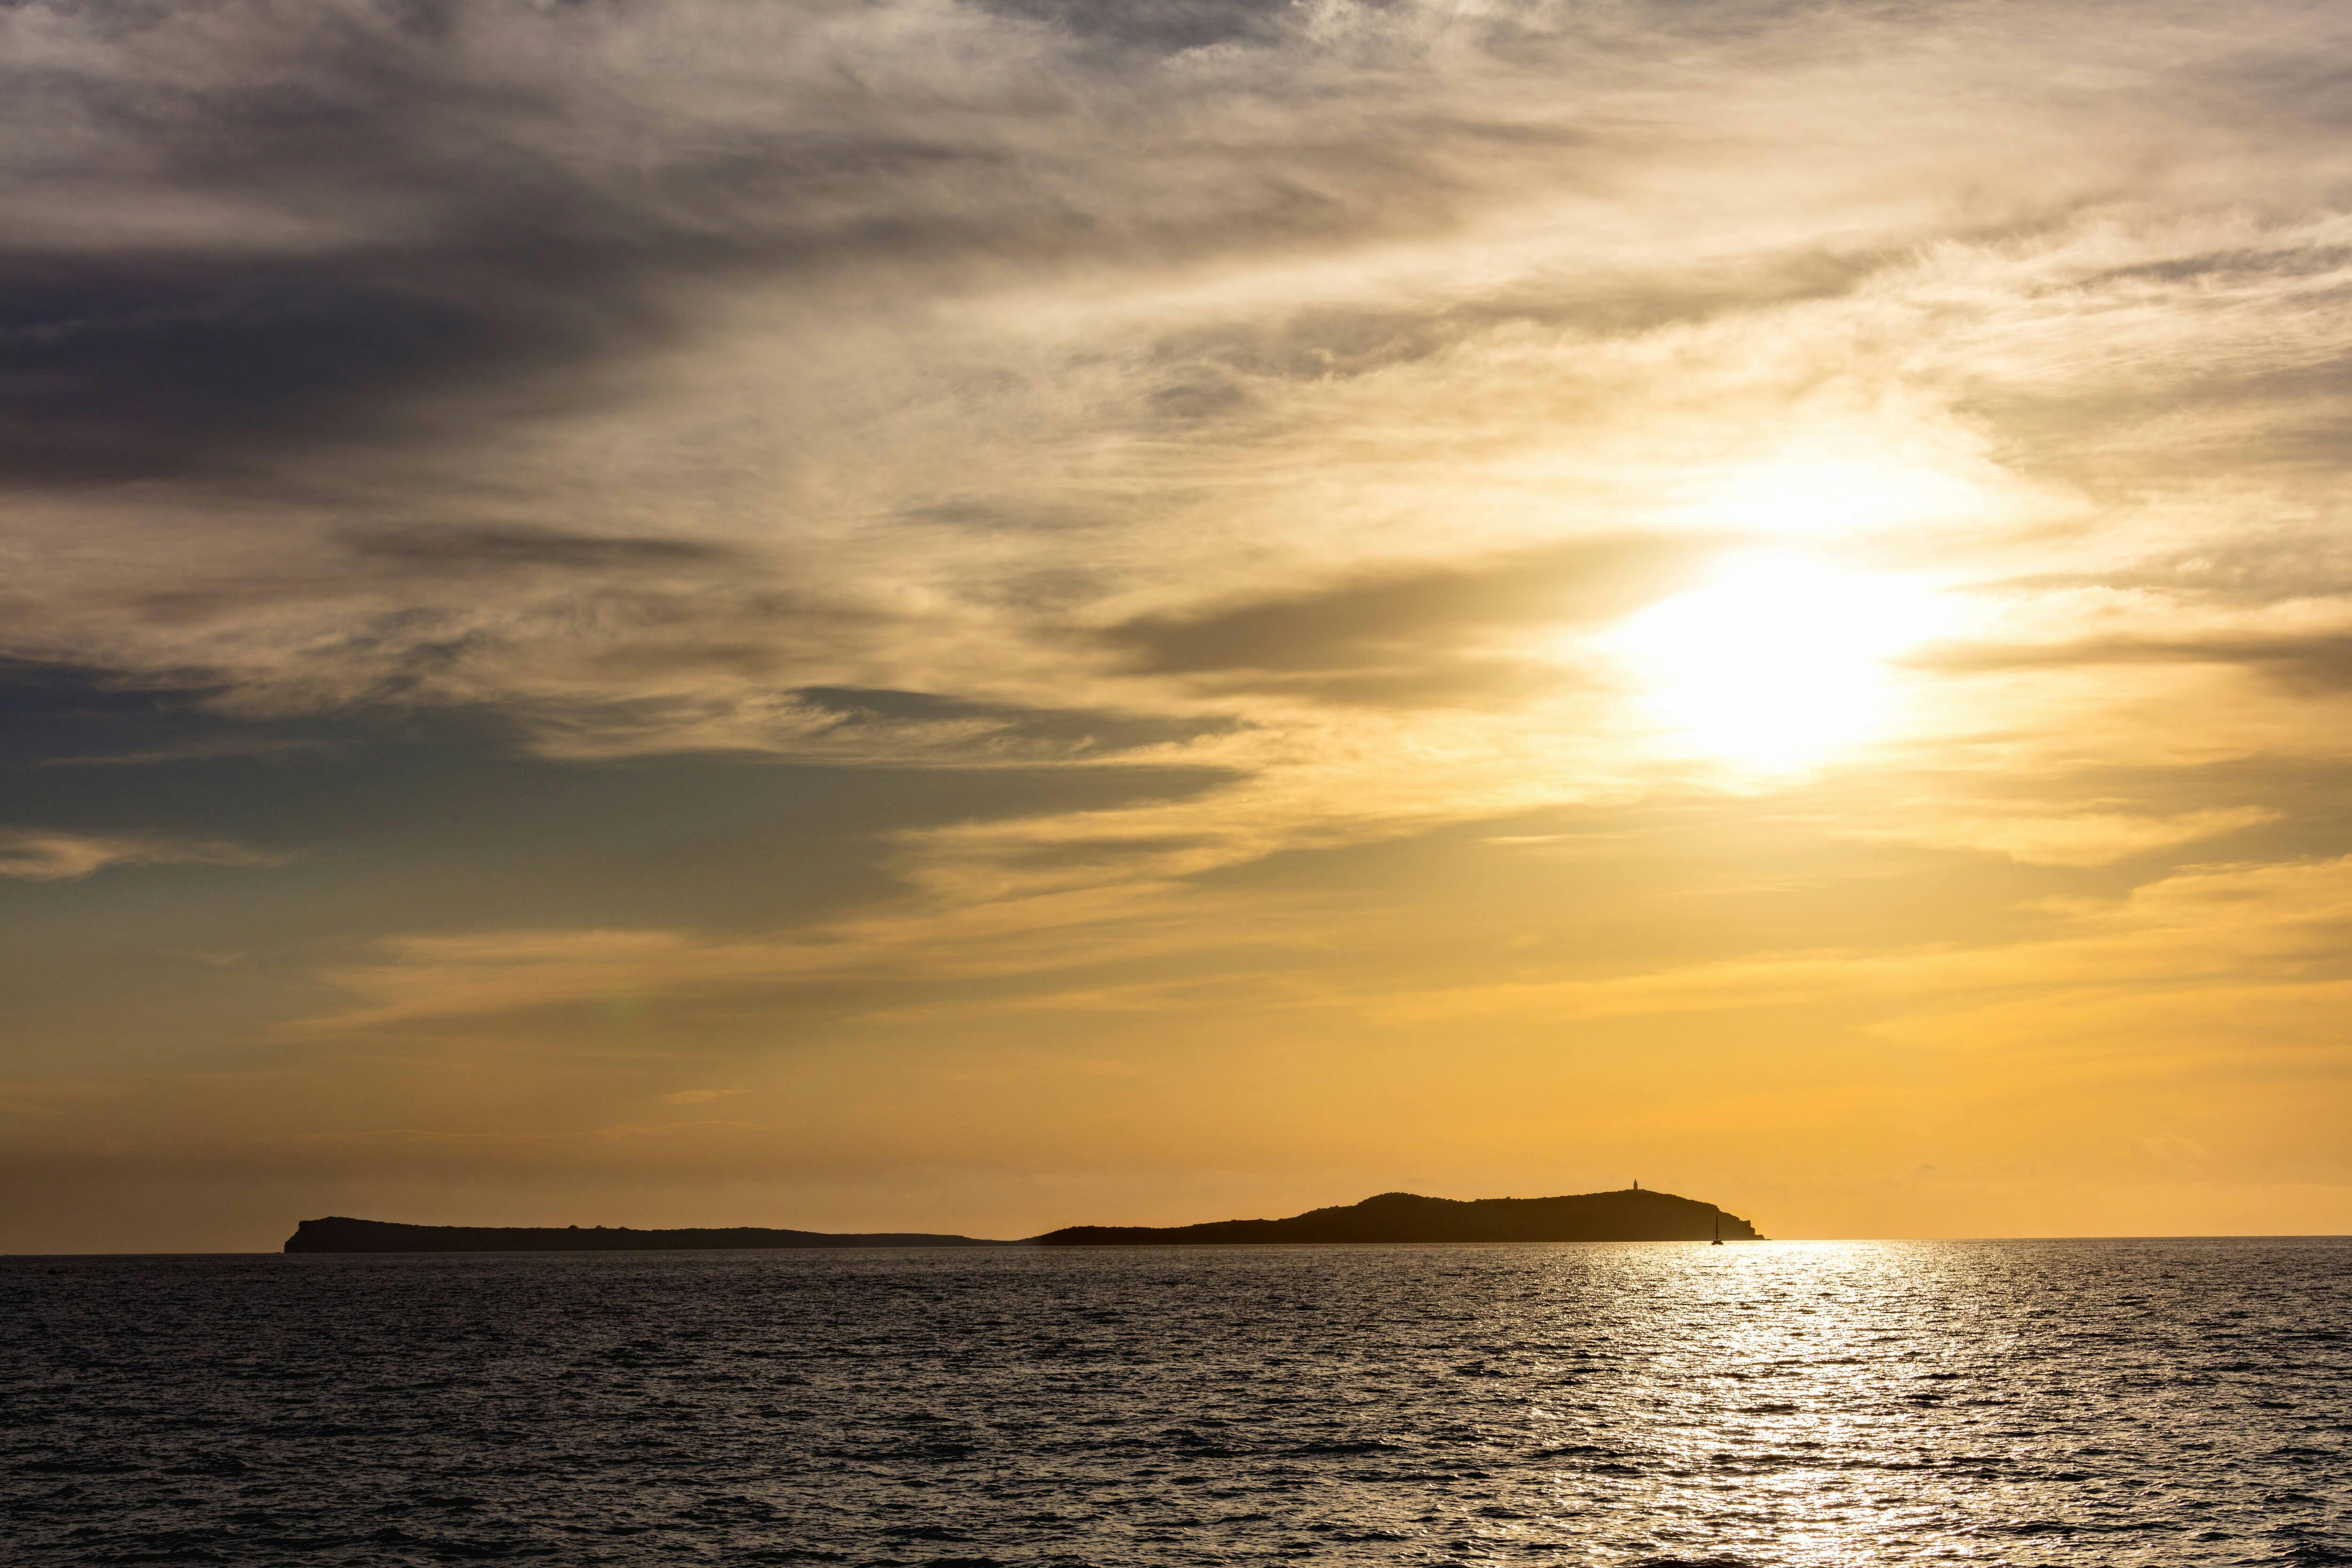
column 1718, row 1231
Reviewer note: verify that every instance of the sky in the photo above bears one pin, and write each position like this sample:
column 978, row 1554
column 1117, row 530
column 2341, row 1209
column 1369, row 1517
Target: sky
column 976, row 616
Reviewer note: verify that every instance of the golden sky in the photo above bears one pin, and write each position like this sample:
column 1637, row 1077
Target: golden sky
column 977, row 616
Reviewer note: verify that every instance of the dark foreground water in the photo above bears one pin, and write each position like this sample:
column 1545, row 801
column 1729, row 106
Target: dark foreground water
column 2076, row 1403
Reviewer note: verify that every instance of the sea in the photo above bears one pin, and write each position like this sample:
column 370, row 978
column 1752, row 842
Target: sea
column 1765, row 1404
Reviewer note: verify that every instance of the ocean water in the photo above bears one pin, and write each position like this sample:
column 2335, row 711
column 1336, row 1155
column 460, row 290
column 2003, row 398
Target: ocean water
column 2078, row 1402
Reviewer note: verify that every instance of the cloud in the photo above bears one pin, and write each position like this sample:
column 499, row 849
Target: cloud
column 1010, row 732
column 1159, row 26
column 848, row 725
column 2314, row 664
column 40, row 856
column 793, row 349
column 278, row 748
column 369, row 220
column 487, row 548
column 1406, row 636
column 361, row 220
column 2080, row 838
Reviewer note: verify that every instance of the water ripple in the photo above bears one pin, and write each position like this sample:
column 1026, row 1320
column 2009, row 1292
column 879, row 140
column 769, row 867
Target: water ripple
column 1764, row 1405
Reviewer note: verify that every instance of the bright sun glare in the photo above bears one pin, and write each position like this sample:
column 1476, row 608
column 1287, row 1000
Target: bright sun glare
column 1778, row 662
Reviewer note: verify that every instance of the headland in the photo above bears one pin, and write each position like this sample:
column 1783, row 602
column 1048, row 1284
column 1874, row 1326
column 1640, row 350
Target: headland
column 1629, row 1216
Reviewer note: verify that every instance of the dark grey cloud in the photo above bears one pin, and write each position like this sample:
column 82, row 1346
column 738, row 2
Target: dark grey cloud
column 58, row 719
column 1407, row 638
column 138, row 368
column 466, row 239
column 285, row 748
column 416, row 206
column 51, row 711
column 486, row 214
column 444, row 819
column 1158, row 27
column 435, row 547
column 420, row 211
column 1076, row 733
column 419, row 614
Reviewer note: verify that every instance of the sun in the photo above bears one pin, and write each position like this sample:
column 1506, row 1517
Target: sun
column 1779, row 662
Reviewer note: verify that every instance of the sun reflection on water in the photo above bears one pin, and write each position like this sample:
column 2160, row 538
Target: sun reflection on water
column 1807, row 1404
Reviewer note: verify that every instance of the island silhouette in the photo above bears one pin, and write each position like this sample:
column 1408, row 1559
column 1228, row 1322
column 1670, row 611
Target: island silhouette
column 1632, row 1214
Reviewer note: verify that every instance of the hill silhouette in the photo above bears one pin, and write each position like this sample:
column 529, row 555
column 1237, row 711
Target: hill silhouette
column 1629, row 1216
column 338, row 1234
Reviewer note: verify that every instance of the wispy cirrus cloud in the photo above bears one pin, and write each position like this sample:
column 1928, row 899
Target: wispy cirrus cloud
column 1386, row 264
column 46, row 855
